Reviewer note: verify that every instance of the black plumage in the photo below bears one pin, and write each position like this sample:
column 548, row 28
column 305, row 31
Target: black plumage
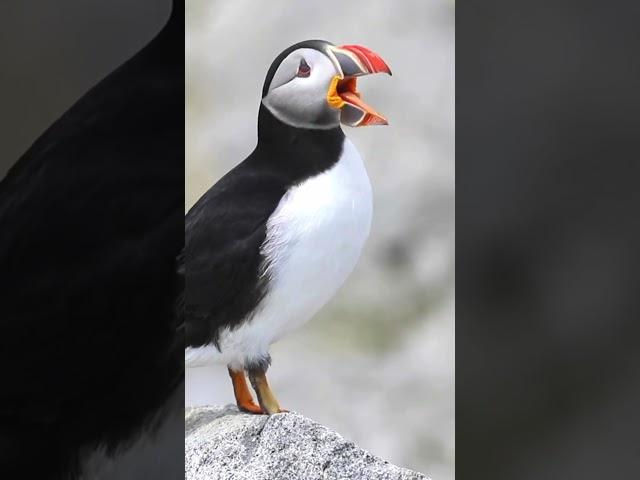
column 225, row 229
column 92, row 221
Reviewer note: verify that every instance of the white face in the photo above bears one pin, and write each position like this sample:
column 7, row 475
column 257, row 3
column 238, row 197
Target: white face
column 297, row 95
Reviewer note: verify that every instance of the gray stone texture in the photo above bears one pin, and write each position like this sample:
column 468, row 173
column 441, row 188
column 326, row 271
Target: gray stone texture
column 222, row 443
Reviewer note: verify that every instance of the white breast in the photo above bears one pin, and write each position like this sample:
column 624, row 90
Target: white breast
column 314, row 239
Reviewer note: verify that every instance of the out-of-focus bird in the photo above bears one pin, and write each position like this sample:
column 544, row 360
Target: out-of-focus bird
column 271, row 242
column 92, row 221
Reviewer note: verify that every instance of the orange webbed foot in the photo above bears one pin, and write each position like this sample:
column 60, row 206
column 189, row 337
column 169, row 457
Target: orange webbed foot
column 251, row 407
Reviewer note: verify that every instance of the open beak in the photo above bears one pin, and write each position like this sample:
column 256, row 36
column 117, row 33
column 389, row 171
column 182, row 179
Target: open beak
column 353, row 61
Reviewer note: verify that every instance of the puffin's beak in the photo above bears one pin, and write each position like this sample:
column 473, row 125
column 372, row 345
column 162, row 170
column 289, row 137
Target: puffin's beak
column 353, row 61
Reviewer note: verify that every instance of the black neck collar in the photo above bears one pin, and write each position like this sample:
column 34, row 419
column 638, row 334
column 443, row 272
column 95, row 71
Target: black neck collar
column 300, row 152
column 275, row 134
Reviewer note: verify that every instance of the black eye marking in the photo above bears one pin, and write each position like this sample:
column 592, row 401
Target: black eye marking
column 304, row 70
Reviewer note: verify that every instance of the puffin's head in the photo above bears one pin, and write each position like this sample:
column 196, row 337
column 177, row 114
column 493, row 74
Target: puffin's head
column 312, row 84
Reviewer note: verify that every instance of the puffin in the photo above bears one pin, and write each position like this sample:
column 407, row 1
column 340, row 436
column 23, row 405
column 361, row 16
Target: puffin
column 92, row 222
column 273, row 240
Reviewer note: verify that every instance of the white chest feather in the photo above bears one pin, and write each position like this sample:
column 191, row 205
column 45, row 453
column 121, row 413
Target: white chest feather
column 314, row 239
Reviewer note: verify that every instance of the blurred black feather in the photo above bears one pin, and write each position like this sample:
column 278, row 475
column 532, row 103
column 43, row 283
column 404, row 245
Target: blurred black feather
column 92, row 221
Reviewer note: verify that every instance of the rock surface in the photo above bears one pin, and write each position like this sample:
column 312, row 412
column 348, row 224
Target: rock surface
column 222, row 443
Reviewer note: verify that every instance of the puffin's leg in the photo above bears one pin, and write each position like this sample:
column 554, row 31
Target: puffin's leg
column 266, row 398
column 244, row 400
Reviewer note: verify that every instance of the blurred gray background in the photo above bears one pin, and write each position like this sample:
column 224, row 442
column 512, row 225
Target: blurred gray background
column 53, row 52
column 377, row 364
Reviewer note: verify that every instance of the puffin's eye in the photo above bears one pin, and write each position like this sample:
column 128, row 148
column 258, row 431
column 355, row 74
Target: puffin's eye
column 304, row 70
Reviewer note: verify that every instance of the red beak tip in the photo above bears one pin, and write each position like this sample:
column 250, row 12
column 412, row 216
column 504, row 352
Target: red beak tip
column 372, row 121
column 371, row 60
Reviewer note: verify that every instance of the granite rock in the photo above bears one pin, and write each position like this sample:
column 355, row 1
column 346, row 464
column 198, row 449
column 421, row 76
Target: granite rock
column 222, row 443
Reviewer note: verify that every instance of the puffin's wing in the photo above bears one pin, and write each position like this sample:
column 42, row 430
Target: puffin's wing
column 224, row 232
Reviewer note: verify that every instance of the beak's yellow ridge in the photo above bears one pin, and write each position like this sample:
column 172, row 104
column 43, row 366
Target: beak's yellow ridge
column 332, row 94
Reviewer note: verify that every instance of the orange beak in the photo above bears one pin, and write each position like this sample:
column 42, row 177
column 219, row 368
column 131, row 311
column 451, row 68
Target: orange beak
column 353, row 61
